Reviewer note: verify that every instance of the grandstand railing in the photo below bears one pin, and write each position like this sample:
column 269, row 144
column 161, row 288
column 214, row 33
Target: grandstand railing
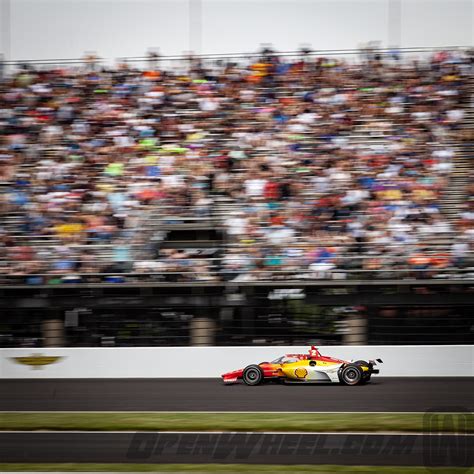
column 264, row 276
column 11, row 65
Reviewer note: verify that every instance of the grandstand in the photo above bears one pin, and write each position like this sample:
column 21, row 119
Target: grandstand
column 333, row 173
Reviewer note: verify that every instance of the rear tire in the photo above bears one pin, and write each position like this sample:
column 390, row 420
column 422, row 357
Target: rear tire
column 252, row 375
column 365, row 375
column 351, row 375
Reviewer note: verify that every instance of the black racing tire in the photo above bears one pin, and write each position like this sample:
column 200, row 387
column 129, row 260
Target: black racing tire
column 365, row 375
column 351, row 374
column 252, row 375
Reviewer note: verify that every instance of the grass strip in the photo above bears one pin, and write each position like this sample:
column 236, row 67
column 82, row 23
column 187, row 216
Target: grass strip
column 193, row 421
column 226, row 468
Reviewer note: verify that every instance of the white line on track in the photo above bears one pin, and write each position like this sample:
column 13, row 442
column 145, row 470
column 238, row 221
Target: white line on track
column 217, row 411
column 280, row 433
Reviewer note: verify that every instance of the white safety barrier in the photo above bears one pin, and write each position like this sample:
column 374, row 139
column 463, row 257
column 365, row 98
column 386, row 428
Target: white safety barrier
column 177, row 362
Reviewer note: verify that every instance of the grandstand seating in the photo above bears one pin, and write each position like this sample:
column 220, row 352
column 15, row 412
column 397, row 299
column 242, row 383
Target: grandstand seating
column 182, row 161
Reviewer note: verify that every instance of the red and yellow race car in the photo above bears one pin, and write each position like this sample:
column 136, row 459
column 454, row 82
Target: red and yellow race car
column 305, row 368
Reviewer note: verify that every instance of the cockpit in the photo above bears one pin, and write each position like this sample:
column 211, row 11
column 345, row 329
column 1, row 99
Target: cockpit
column 285, row 360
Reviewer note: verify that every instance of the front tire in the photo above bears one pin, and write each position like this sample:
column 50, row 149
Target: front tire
column 351, row 375
column 252, row 375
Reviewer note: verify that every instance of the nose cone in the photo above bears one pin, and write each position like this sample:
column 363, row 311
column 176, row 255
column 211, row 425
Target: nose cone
column 231, row 377
column 234, row 373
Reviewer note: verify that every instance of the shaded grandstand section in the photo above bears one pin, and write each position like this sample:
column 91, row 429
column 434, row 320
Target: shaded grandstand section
column 180, row 314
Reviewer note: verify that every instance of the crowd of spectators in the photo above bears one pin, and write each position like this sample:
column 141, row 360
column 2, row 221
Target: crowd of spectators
column 318, row 167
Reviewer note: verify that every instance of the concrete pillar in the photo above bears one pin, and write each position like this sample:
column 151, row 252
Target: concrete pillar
column 202, row 331
column 53, row 333
column 356, row 330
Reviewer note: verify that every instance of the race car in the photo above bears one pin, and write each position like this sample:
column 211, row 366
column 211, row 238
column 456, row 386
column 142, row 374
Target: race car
column 305, row 368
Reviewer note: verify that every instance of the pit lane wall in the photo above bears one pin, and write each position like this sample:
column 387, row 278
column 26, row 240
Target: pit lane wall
column 188, row 362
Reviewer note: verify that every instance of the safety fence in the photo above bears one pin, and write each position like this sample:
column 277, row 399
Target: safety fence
column 175, row 321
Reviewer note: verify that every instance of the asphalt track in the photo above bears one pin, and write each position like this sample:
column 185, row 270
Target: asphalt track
column 255, row 448
column 389, row 394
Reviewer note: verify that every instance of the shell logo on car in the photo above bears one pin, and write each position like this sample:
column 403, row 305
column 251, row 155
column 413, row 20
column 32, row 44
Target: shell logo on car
column 301, row 372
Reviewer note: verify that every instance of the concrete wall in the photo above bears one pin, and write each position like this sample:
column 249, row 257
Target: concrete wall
column 39, row 29
column 213, row 361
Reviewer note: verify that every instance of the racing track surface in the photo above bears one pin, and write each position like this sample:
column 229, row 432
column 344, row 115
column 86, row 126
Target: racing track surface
column 267, row 448
column 389, row 394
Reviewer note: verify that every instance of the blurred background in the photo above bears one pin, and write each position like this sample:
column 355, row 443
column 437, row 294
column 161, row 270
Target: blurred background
column 41, row 29
column 178, row 173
